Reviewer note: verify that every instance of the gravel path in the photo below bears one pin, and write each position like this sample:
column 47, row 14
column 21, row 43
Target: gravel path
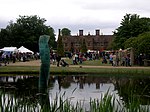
column 38, row 63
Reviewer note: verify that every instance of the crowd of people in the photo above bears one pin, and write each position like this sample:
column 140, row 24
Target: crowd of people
column 77, row 58
column 123, row 59
column 7, row 57
column 113, row 58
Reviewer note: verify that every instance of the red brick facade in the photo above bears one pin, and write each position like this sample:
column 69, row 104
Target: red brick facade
column 93, row 42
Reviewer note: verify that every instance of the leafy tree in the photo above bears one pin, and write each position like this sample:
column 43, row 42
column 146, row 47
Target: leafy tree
column 144, row 43
column 60, row 47
column 72, row 47
column 131, row 26
column 65, row 32
column 141, row 44
column 83, row 47
column 26, row 31
column 52, row 41
column 4, row 38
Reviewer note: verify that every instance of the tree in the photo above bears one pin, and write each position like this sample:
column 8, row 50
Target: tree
column 52, row 41
column 60, row 47
column 4, row 38
column 131, row 42
column 72, row 47
column 141, row 44
column 83, row 47
column 26, row 32
column 65, row 32
column 131, row 26
column 144, row 43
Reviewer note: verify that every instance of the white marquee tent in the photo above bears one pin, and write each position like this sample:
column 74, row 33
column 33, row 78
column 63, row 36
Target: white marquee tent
column 22, row 49
column 9, row 49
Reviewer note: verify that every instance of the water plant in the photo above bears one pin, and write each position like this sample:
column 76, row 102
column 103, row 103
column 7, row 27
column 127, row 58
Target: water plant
column 107, row 103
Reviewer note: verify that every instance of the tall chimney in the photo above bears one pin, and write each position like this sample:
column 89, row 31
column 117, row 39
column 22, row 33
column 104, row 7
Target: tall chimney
column 80, row 32
column 97, row 32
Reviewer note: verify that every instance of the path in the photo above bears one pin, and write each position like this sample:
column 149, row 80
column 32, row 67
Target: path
column 38, row 63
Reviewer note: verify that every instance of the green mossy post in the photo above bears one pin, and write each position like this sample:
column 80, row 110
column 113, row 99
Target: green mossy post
column 44, row 71
column 45, row 62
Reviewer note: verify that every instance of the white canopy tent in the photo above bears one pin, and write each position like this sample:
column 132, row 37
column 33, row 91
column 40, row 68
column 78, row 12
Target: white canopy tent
column 91, row 51
column 22, row 49
column 9, row 49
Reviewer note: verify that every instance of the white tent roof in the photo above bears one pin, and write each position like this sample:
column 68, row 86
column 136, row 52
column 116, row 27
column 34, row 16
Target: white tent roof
column 9, row 49
column 91, row 51
column 22, row 49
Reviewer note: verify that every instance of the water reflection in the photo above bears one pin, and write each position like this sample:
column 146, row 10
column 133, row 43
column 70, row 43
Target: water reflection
column 66, row 81
column 20, row 87
column 82, row 88
column 138, row 88
column 78, row 88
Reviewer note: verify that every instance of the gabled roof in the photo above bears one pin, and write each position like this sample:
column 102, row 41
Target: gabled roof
column 22, row 49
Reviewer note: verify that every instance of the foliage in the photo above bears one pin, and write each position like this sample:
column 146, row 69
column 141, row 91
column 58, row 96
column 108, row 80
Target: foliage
column 60, row 47
column 107, row 103
column 141, row 44
column 72, row 48
column 144, row 43
column 26, row 32
column 130, row 43
column 83, row 47
column 104, row 105
column 65, row 32
column 131, row 26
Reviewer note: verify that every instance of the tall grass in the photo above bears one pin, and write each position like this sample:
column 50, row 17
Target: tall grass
column 107, row 103
column 104, row 105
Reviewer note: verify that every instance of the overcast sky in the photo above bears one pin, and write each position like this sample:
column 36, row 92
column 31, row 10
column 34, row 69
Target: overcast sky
column 88, row 15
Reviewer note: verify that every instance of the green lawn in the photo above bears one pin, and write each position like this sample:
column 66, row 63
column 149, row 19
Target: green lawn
column 79, row 69
column 90, row 62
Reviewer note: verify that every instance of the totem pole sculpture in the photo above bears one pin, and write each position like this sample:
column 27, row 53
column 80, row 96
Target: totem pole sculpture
column 45, row 63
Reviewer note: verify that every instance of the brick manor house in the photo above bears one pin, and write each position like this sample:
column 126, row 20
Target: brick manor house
column 96, row 42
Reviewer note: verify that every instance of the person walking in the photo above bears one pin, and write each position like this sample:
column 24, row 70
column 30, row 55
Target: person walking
column 114, row 60
column 58, row 58
column 111, row 59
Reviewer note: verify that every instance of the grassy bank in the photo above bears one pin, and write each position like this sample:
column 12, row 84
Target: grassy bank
column 73, row 70
column 87, row 67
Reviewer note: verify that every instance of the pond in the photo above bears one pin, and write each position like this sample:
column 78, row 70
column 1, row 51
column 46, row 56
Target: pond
column 80, row 88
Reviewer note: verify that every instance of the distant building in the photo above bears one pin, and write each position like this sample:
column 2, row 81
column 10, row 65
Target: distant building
column 93, row 42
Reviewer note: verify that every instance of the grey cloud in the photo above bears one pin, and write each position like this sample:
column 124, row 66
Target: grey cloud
column 75, row 27
column 3, row 24
column 118, row 5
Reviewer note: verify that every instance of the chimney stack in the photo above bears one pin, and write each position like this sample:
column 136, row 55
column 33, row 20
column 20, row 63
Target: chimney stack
column 97, row 32
column 80, row 32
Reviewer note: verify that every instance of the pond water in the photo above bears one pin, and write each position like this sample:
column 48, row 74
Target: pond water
column 81, row 88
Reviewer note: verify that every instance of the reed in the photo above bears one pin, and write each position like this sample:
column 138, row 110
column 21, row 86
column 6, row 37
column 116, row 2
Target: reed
column 107, row 103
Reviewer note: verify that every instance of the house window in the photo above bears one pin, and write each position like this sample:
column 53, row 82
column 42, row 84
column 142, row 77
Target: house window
column 106, row 43
column 66, row 44
column 77, row 45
